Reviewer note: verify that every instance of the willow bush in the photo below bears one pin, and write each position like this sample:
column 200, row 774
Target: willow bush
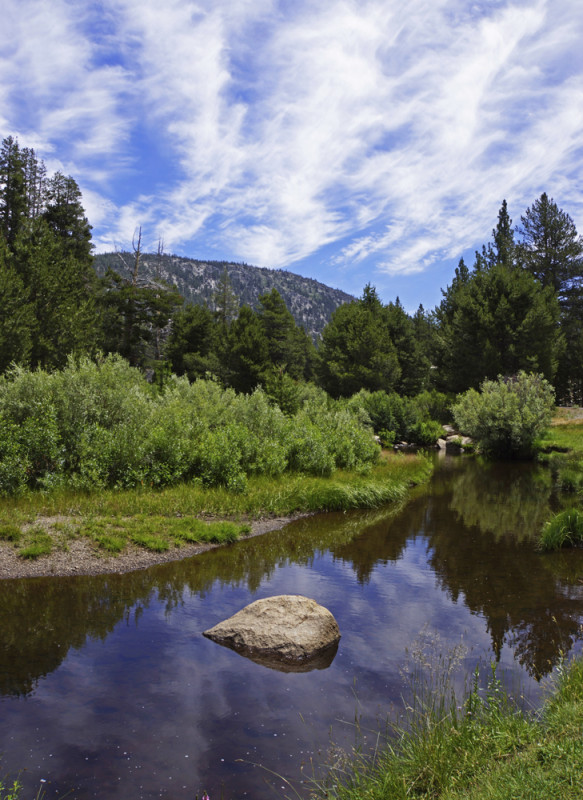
column 101, row 424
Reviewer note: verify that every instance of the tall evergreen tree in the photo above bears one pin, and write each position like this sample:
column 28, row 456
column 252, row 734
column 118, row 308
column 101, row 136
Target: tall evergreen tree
column 411, row 354
column 65, row 215
column 550, row 248
column 133, row 310
column 503, row 236
column 225, row 300
column 61, row 295
column 552, row 251
column 13, row 190
column 356, row 351
column 192, row 341
column 290, row 348
column 249, row 354
column 498, row 321
column 17, row 317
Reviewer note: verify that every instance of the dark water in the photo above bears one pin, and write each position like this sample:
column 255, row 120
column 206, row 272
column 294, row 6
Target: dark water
column 109, row 690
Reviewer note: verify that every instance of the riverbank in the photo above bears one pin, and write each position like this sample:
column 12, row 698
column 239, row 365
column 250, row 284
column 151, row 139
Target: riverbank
column 485, row 751
column 66, row 533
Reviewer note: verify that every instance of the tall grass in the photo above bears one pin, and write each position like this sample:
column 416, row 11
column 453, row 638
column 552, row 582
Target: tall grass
column 565, row 529
column 481, row 749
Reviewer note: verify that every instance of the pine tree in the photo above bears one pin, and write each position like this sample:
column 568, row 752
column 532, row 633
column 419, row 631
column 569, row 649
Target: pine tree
column 249, row 356
column 17, row 320
column 497, row 321
column 191, row 344
column 13, row 195
column 550, row 248
column 413, row 359
column 134, row 311
column 289, row 346
column 552, row 251
column 61, row 296
column 356, row 351
column 503, row 236
column 225, row 300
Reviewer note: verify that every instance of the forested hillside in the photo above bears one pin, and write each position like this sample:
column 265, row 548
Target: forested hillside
column 310, row 302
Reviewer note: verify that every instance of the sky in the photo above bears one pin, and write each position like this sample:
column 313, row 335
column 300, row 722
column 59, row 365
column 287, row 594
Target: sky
column 351, row 141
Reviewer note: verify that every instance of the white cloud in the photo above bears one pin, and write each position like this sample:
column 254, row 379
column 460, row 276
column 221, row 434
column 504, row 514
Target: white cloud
column 275, row 131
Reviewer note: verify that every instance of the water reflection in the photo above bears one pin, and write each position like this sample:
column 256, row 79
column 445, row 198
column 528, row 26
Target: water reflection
column 41, row 619
column 108, row 686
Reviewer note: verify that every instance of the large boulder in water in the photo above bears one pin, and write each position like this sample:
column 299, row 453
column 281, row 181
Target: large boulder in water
column 287, row 632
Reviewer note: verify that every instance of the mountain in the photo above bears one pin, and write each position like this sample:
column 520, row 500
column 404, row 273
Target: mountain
column 310, row 301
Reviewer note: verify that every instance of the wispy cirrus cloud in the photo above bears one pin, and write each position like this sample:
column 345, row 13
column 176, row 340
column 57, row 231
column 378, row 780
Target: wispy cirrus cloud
column 361, row 135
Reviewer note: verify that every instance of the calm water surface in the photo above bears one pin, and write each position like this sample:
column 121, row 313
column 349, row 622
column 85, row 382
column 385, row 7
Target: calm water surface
column 109, row 690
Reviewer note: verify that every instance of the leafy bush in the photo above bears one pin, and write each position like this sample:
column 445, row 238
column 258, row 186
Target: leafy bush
column 100, row 424
column 425, row 434
column 396, row 418
column 508, row 415
column 14, row 464
column 434, row 405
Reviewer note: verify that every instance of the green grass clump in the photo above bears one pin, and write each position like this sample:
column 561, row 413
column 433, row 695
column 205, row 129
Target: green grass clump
column 38, row 543
column 150, row 541
column 570, row 478
column 485, row 750
column 565, row 529
column 10, row 790
column 110, row 542
column 264, row 495
column 10, row 533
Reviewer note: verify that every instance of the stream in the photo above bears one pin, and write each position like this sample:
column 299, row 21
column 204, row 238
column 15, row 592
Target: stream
column 109, row 690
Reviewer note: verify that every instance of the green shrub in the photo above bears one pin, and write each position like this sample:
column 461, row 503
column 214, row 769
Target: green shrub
column 434, row 405
column 508, row 415
column 385, row 411
column 387, row 438
column 14, row 465
column 97, row 425
column 425, row 434
column 564, row 529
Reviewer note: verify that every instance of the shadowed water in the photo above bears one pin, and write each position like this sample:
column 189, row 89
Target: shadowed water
column 108, row 688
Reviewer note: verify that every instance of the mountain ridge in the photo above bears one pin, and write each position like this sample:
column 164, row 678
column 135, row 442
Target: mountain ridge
column 310, row 301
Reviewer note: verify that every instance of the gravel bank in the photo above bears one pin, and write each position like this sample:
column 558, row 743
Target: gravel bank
column 83, row 559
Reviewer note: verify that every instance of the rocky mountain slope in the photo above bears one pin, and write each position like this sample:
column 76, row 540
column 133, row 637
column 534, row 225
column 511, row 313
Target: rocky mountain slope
column 310, row 301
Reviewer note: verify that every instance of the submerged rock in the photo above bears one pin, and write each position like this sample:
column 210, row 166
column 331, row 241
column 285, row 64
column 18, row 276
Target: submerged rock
column 288, row 632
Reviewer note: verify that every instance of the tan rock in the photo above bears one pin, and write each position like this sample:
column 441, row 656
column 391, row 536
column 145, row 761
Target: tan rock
column 281, row 630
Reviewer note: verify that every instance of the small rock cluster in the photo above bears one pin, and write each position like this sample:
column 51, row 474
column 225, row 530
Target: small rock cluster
column 453, row 441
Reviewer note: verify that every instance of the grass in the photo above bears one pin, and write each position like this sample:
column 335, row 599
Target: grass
column 564, row 529
column 563, row 446
column 158, row 520
column 10, row 790
column 485, row 750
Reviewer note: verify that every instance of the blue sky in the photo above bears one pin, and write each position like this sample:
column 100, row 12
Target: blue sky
column 351, row 141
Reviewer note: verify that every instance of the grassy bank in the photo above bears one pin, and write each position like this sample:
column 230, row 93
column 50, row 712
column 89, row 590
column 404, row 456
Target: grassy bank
column 486, row 750
column 157, row 520
column 563, row 452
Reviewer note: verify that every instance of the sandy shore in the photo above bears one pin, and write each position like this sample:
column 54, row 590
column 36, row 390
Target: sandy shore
column 83, row 559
